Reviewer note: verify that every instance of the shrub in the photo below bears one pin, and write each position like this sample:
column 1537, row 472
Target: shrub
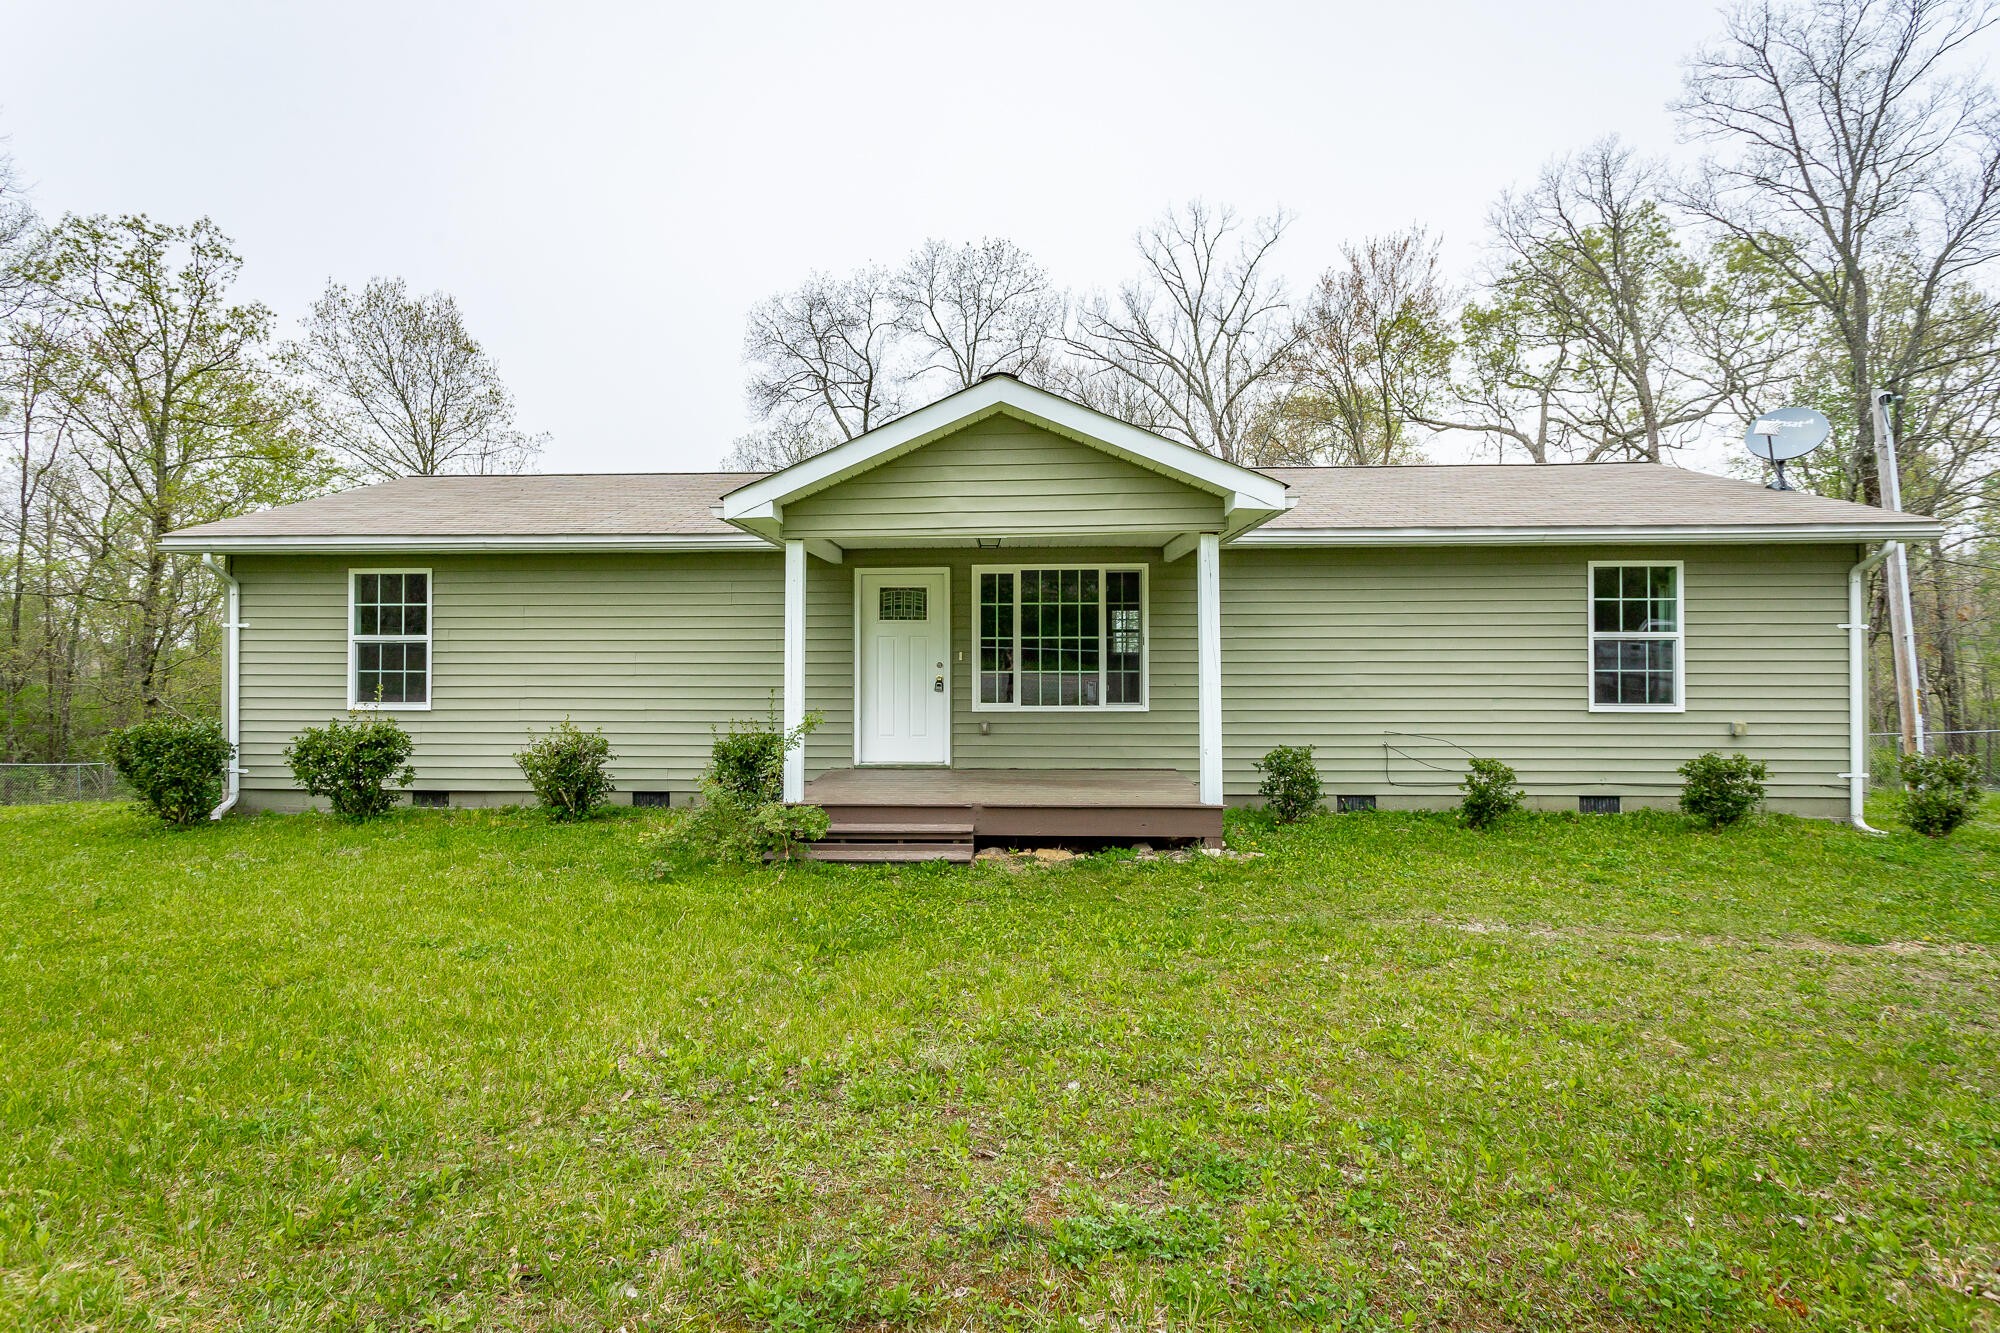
column 1291, row 782
column 781, row 828
column 566, row 769
column 1720, row 789
column 743, row 818
column 748, row 760
column 175, row 764
column 1489, row 793
column 1940, row 792
column 351, row 762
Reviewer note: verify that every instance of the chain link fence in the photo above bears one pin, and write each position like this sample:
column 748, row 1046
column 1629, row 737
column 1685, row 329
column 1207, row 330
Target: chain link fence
column 45, row 784
column 1981, row 747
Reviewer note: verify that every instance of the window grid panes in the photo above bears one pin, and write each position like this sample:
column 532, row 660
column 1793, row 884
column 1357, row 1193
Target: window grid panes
column 1635, row 633
column 1061, row 638
column 1123, row 637
column 391, row 632
column 996, row 638
column 1060, row 642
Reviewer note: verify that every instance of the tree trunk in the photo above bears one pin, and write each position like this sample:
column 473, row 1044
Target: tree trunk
column 1947, row 678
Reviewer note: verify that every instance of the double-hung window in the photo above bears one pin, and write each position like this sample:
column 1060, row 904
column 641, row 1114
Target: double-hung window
column 1061, row 637
column 389, row 638
column 1636, row 637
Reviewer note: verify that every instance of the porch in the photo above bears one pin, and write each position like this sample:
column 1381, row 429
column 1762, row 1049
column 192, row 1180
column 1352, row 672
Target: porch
column 915, row 814
column 1056, row 593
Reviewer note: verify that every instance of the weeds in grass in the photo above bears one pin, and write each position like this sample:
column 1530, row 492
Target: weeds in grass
column 1687, row 1287
column 1174, row 1232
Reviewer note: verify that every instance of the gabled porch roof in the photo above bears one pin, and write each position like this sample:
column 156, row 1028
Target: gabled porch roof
column 1244, row 498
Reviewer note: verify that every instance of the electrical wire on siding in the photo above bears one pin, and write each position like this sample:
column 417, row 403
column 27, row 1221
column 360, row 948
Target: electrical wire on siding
column 1392, row 751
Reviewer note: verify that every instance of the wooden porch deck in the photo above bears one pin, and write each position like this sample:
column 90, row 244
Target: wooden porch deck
column 902, row 814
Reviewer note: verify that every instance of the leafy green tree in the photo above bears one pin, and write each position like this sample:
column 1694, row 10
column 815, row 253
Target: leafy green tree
column 175, row 414
column 1603, row 335
column 1374, row 358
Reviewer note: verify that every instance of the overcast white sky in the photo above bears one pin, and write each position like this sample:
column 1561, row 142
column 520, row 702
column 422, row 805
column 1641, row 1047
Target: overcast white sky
column 607, row 188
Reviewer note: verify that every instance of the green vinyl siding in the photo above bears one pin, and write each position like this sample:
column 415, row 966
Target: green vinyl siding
column 999, row 476
column 1479, row 648
column 1386, row 661
column 1163, row 736
column 655, row 649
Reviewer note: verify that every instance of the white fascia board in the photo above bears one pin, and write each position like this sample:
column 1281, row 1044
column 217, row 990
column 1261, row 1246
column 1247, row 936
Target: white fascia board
column 422, row 544
column 1519, row 536
column 1239, row 486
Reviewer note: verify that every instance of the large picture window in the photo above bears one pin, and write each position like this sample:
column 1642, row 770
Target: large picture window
column 1636, row 662
column 389, row 638
column 1061, row 637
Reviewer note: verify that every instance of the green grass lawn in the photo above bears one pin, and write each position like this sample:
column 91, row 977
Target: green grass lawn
column 474, row 1070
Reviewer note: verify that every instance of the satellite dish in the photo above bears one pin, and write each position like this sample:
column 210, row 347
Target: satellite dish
column 1786, row 433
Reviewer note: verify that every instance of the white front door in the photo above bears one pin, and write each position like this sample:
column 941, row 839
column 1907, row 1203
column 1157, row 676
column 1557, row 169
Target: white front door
column 902, row 683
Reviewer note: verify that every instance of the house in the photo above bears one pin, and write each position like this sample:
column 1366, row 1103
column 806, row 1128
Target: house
column 1018, row 613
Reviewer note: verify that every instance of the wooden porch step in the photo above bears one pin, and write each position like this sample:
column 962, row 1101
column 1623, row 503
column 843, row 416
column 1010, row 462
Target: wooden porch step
column 911, row 830
column 889, row 851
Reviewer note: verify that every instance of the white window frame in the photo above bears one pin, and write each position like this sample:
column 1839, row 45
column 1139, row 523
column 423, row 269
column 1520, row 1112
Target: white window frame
column 1592, row 635
column 354, row 641
column 1145, row 573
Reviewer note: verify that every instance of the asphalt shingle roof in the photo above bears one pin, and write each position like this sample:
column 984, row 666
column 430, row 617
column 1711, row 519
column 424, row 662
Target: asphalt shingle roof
column 1358, row 499
column 1561, row 495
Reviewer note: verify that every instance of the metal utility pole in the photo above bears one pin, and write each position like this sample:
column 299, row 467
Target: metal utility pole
column 1896, row 573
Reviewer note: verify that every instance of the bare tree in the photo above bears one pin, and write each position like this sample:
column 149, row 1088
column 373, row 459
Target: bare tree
column 780, row 444
column 1591, row 250
column 1204, row 334
column 17, row 232
column 36, row 428
column 974, row 309
column 825, row 355
column 1851, row 147
column 399, row 388
column 1601, row 335
column 1374, row 359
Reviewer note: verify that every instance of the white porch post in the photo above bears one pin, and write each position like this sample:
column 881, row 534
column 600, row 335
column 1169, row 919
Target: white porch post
column 1208, row 663
column 795, row 665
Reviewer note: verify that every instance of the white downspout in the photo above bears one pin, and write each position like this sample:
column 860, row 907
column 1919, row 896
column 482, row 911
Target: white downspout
column 1857, row 686
column 232, row 686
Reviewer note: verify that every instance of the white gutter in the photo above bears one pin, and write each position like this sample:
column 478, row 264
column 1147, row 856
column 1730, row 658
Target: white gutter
column 417, row 544
column 232, row 687
column 1857, row 686
column 1919, row 529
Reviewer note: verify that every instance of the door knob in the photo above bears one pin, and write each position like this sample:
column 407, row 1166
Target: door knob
column 938, row 685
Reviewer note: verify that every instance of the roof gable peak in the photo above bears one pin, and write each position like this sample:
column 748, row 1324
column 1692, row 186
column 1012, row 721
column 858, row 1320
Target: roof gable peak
column 1249, row 497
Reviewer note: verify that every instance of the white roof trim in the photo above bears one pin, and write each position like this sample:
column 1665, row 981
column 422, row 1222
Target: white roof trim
column 1918, row 529
column 1240, row 488
column 298, row 545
